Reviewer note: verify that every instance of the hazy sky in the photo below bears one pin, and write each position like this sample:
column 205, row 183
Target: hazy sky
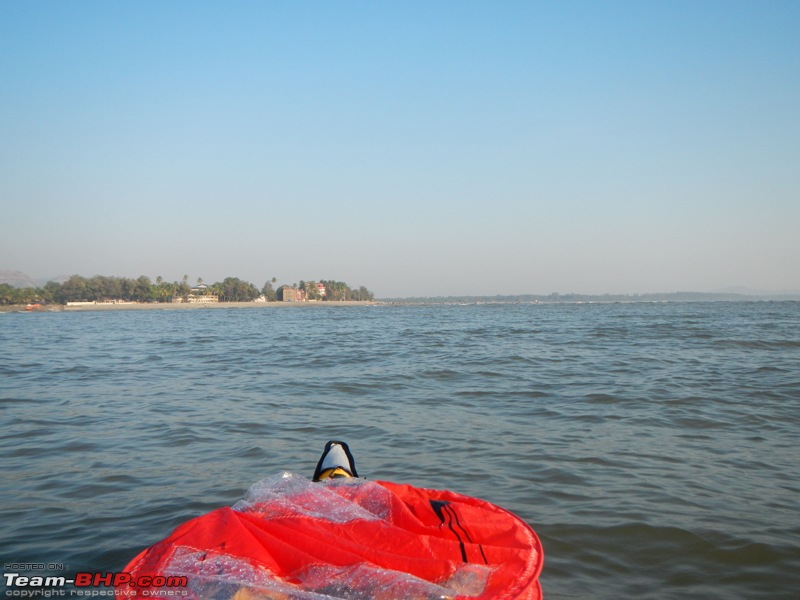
column 417, row 148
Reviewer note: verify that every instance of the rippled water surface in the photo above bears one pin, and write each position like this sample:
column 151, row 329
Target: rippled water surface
column 655, row 448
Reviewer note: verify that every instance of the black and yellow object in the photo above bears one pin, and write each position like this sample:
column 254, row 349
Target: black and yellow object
column 336, row 461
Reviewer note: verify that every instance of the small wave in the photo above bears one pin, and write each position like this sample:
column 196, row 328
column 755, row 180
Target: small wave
column 698, row 423
column 771, row 369
column 442, row 374
column 12, row 401
column 759, row 344
column 177, row 439
column 76, row 446
column 173, row 343
column 602, row 399
column 152, row 358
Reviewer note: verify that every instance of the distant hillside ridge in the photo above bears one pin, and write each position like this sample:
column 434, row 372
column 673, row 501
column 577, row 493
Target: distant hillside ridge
column 21, row 280
column 16, row 279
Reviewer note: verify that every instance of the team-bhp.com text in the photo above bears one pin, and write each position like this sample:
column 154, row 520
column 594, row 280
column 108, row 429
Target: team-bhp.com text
column 92, row 584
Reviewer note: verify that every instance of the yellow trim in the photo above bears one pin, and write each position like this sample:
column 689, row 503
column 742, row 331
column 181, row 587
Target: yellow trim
column 335, row 472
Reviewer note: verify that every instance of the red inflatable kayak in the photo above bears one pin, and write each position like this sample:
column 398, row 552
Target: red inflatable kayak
column 291, row 538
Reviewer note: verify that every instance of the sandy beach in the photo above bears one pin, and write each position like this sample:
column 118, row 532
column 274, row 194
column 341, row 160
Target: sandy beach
column 103, row 306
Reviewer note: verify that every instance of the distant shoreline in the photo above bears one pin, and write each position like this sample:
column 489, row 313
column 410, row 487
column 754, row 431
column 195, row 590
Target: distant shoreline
column 181, row 306
column 553, row 299
column 598, row 298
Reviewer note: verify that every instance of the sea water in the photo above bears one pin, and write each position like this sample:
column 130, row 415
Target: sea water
column 655, row 448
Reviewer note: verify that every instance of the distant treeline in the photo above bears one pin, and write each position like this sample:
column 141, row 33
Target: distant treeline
column 232, row 289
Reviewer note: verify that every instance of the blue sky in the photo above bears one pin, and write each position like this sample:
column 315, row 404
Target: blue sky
column 417, row 148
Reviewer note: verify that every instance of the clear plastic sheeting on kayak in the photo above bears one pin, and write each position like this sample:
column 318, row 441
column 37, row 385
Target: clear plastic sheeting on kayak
column 347, row 539
column 241, row 581
column 366, row 581
column 335, row 500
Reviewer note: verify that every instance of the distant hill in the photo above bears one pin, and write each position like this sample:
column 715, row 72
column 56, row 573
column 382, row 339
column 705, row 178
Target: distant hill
column 17, row 279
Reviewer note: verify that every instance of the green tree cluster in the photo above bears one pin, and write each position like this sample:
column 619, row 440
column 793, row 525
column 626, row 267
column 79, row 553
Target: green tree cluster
column 269, row 293
column 97, row 288
column 233, row 289
column 10, row 295
column 335, row 291
column 142, row 289
column 338, row 290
